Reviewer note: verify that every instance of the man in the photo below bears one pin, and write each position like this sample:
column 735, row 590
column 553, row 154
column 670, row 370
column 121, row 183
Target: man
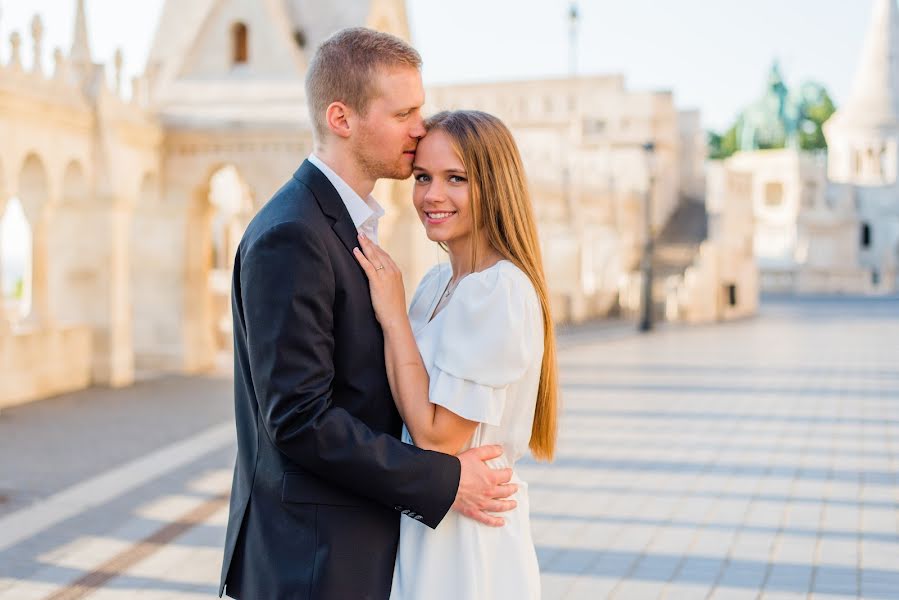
column 321, row 477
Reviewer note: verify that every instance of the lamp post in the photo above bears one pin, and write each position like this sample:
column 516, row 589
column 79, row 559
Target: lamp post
column 574, row 16
column 646, row 261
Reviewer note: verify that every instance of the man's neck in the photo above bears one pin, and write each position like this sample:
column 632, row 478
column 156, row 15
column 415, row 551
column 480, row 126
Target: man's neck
column 347, row 169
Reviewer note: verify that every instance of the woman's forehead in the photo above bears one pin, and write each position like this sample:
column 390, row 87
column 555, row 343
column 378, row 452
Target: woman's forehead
column 436, row 145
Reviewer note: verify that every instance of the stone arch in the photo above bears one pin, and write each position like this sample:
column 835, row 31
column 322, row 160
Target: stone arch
column 74, row 184
column 74, row 258
column 4, row 191
column 220, row 209
column 16, row 249
column 33, row 186
column 33, row 191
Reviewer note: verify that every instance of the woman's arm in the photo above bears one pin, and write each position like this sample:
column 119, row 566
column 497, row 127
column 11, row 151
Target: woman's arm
column 432, row 427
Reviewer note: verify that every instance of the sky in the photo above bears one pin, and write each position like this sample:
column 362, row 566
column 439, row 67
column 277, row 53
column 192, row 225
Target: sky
column 713, row 54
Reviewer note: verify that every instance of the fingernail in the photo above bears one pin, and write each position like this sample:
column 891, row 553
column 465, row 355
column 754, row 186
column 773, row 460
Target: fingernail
column 355, row 249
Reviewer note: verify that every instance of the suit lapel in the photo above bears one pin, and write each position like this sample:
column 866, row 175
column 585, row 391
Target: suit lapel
column 330, row 202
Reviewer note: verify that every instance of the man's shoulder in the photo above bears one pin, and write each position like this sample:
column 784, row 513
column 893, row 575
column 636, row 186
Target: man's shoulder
column 294, row 204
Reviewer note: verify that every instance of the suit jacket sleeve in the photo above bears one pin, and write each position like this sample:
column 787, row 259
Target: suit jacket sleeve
column 287, row 292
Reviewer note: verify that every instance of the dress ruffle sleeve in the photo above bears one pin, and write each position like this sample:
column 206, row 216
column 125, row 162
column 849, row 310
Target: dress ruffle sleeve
column 491, row 335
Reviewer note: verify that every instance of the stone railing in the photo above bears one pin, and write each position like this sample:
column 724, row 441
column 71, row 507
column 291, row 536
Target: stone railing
column 41, row 362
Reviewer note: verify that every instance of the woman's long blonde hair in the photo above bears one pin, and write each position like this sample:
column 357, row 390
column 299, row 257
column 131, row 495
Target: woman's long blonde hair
column 501, row 204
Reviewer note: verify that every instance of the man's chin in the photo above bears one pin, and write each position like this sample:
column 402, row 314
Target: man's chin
column 399, row 172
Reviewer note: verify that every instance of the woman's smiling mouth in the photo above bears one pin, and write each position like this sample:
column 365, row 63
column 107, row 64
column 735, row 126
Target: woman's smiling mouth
column 439, row 217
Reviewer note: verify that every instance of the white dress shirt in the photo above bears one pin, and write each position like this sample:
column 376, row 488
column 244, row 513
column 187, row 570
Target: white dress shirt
column 364, row 213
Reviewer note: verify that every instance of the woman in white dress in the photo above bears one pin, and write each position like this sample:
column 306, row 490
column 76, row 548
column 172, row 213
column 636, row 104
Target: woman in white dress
column 473, row 363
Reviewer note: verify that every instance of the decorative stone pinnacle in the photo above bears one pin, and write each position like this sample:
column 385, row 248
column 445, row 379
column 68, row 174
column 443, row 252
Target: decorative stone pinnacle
column 37, row 35
column 119, row 62
column 15, row 49
column 59, row 63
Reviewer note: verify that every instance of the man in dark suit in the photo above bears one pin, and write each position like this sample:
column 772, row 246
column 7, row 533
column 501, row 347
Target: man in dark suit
column 321, row 477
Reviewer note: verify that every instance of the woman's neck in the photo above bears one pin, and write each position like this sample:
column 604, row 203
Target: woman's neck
column 460, row 256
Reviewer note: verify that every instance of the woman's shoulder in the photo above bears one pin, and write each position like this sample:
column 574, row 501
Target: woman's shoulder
column 504, row 276
column 491, row 331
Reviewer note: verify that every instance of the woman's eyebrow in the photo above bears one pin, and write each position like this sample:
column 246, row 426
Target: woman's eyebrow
column 450, row 170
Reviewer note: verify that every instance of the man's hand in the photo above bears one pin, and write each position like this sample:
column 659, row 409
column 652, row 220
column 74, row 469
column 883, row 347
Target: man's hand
column 483, row 489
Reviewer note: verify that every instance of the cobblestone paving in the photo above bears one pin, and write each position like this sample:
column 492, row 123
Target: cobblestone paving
column 757, row 459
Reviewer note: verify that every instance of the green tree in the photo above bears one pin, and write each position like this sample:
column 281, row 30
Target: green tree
column 722, row 145
column 811, row 134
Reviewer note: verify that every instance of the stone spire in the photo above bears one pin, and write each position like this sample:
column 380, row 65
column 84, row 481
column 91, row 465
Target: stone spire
column 874, row 101
column 81, row 50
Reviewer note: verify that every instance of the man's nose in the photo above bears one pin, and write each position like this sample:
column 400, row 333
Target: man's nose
column 418, row 130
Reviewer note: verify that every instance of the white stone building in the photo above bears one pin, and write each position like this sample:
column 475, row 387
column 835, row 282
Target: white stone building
column 135, row 206
column 831, row 224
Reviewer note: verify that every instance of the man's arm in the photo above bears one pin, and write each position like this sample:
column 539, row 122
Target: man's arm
column 287, row 293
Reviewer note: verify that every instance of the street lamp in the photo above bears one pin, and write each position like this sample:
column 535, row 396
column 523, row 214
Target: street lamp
column 649, row 149
column 574, row 16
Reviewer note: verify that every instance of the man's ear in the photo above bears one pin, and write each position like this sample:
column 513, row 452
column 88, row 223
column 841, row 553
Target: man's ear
column 337, row 116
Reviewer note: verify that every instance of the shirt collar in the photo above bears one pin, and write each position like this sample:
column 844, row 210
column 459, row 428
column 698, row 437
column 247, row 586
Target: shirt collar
column 360, row 210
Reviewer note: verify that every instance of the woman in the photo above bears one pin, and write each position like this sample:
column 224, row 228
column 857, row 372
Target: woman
column 473, row 363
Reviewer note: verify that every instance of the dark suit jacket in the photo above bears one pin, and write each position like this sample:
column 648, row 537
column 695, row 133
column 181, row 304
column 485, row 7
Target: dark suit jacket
column 321, row 475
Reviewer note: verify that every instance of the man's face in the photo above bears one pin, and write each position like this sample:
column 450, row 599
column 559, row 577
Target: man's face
column 387, row 136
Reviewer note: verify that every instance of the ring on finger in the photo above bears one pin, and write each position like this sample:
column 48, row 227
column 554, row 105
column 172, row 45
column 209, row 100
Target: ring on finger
column 379, row 268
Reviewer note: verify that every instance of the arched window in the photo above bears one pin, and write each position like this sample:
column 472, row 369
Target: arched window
column 15, row 261
column 239, row 44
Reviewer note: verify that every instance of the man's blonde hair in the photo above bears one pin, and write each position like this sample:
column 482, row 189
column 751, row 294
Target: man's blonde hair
column 344, row 69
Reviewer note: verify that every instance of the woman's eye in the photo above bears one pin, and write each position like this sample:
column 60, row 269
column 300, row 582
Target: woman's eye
column 457, row 179
column 422, row 178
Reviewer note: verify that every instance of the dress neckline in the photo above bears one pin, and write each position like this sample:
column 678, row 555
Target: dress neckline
column 431, row 316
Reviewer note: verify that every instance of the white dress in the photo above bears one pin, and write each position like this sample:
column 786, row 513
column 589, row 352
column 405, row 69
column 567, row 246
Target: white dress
column 483, row 352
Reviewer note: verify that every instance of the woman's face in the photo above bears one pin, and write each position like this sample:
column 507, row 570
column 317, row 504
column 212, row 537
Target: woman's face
column 441, row 192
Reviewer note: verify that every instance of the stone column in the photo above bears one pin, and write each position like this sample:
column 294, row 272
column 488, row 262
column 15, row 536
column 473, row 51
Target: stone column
column 113, row 362
column 4, row 318
column 199, row 344
column 40, row 315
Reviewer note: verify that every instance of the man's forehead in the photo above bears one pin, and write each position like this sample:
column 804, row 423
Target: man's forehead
column 400, row 84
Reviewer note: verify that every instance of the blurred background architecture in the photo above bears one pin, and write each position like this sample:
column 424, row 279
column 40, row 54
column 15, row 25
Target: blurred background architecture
column 133, row 200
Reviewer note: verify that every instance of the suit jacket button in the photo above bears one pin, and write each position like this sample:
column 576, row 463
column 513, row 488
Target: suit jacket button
column 418, row 517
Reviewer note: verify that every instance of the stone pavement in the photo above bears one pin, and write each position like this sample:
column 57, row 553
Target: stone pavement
column 757, row 459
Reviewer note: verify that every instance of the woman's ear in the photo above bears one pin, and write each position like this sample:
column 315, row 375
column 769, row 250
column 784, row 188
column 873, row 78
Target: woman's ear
column 337, row 117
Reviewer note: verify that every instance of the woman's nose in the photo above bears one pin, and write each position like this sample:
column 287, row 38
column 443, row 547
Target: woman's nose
column 434, row 193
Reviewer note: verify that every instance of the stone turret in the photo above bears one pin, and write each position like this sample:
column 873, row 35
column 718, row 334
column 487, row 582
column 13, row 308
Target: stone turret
column 862, row 136
column 80, row 58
